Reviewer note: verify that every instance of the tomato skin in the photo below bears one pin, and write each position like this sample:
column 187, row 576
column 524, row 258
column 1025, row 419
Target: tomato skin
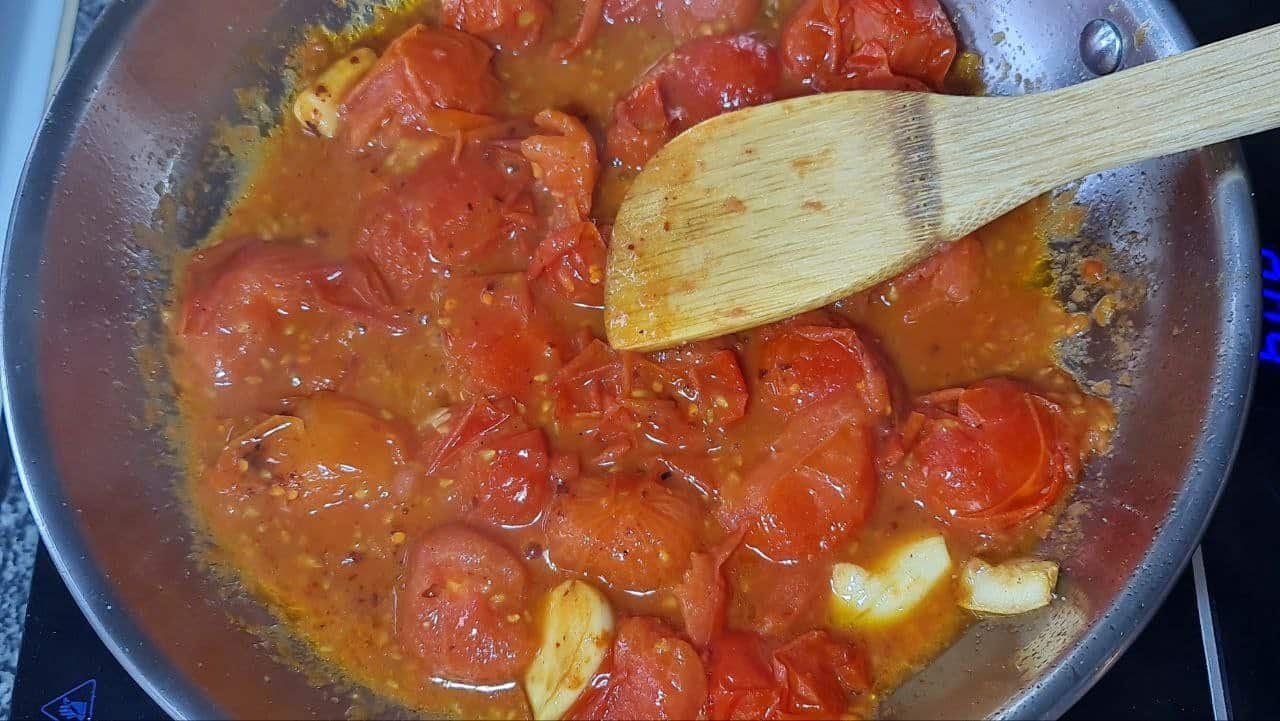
column 253, row 302
column 709, row 76
column 639, row 127
column 810, row 677
column 653, row 674
column 703, row 592
column 776, row 599
column 820, row 504
column 328, row 451
column 705, row 378
column 869, row 45
column 565, row 163
column 571, row 261
column 698, row 80
column 741, row 683
column 449, row 212
column 674, row 400
column 946, row 278
column 505, row 23
column 497, row 341
column 802, row 365
column 1003, row 455
column 502, row 466
column 462, row 608
column 632, row 533
column 424, row 68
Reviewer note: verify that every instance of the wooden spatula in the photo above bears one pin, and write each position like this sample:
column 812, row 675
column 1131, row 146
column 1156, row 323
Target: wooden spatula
column 763, row 213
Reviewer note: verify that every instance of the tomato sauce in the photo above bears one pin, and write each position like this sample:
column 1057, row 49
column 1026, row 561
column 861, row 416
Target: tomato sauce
column 404, row 425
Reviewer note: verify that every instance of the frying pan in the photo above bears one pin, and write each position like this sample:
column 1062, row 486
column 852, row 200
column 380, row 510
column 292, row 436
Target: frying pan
column 85, row 274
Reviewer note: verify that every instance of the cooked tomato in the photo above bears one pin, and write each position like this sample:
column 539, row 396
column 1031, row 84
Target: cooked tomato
column 803, row 364
column 669, row 400
column 256, row 307
column 640, row 126
column 653, row 674
column 741, row 684
column 424, row 68
column 499, row 343
column 500, row 466
column 869, row 45
column 450, row 212
column 506, row 23
column 565, row 164
column 811, row 677
column 703, row 592
column 633, row 533
column 776, row 598
column 462, row 611
column 691, row 18
column 812, row 508
column 994, row 455
column 708, row 380
column 700, row 79
column 946, row 278
column 570, row 261
column 326, row 452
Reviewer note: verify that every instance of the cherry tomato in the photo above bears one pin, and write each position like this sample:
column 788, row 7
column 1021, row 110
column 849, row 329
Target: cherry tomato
column 814, row 676
column 424, row 68
column 328, row 451
column 819, row 675
column 257, row 305
column 703, row 592
column 571, row 262
column 621, row 401
column 804, row 364
column 741, row 683
column 640, row 126
column 700, row 79
column 653, row 674
column 633, row 533
column 708, row 380
column 505, row 23
column 709, row 76
column 775, row 598
column 1000, row 457
column 497, row 341
column 565, row 163
column 463, row 608
column 819, row 505
column 869, row 45
column 946, row 278
column 691, row 18
column 500, row 465
column 448, row 213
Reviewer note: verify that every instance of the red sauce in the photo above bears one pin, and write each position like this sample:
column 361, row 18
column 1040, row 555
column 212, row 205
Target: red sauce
column 404, row 424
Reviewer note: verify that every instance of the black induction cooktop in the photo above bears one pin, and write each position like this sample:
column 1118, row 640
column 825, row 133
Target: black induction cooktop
column 1210, row 652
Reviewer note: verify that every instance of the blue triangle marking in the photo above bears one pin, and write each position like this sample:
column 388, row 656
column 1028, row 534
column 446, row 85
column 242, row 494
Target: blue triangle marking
column 74, row 705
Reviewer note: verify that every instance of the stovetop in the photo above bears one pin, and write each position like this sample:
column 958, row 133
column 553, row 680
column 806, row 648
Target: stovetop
column 1208, row 653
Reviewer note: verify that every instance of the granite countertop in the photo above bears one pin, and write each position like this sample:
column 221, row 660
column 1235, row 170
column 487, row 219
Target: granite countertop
column 18, row 536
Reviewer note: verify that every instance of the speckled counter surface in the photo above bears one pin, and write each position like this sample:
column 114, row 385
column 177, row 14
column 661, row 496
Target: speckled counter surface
column 18, row 536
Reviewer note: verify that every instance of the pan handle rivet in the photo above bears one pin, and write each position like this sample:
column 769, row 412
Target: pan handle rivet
column 1101, row 47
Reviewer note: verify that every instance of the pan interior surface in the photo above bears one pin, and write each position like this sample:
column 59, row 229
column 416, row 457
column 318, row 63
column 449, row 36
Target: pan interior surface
column 85, row 277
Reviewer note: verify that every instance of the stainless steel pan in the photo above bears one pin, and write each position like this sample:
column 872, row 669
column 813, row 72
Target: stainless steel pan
column 132, row 121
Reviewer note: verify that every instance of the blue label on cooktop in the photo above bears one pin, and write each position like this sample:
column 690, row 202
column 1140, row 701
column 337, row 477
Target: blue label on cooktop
column 1270, row 307
column 74, row 705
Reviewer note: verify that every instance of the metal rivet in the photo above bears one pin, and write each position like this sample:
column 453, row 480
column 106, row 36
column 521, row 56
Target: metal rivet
column 1101, row 47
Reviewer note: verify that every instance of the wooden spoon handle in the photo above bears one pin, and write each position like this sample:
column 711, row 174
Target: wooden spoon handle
column 1037, row 142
